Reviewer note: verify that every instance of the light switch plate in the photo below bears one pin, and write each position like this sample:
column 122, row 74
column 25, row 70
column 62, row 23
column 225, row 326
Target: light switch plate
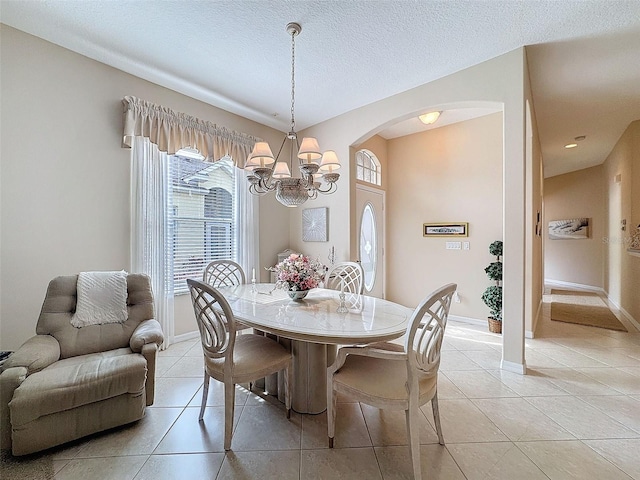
column 453, row 246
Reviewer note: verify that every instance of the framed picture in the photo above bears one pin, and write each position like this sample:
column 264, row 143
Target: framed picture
column 314, row 225
column 571, row 228
column 445, row 229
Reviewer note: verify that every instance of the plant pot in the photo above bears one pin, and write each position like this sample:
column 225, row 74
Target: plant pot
column 297, row 295
column 495, row 326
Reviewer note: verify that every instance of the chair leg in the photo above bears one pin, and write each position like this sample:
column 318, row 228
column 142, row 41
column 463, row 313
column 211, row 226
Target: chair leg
column 412, row 418
column 229, row 405
column 436, row 418
column 332, row 398
column 288, row 382
column 205, row 394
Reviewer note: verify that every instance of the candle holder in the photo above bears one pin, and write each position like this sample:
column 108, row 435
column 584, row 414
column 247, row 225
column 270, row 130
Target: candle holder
column 342, row 308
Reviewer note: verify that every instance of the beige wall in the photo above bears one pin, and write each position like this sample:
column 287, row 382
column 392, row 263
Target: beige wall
column 622, row 201
column 65, row 179
column 77, row 166
column 534, row 181
column 498, row 82
column 448, row 174
column 573, row 195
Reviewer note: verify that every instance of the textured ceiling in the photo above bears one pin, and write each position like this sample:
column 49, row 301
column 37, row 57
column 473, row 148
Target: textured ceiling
column 584, row 59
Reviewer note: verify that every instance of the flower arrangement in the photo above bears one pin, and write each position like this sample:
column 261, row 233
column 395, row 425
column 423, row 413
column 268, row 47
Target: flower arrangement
column 298, row 272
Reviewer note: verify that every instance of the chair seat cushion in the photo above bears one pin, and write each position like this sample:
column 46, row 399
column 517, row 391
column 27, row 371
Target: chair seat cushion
column 380, row 378
column 252, row 355
column 78, row 381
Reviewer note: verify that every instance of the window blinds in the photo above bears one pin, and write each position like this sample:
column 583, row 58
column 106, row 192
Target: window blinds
column 202, row 216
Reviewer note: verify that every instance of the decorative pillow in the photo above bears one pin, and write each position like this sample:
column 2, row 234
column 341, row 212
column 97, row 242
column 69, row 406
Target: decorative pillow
column 102, row 298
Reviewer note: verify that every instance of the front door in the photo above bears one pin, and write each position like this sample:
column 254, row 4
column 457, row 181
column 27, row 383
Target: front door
column 370, row 231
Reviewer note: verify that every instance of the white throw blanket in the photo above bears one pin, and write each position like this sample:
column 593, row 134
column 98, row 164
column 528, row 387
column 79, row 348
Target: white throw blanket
column 102, row 298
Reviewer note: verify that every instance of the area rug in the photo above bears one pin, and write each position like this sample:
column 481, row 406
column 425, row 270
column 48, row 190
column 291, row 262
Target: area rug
column 583, row 308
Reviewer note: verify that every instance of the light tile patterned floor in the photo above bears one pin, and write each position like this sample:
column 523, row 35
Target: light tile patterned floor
column 575, row 415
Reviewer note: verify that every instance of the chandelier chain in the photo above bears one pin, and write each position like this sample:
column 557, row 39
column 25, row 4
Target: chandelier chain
column 291, row 191
column 293, row 78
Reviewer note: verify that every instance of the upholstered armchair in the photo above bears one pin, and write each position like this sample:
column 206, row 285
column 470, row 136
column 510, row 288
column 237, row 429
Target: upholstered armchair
column 67, row 382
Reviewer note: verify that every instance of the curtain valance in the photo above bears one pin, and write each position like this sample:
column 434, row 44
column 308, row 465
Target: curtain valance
column 171, row 131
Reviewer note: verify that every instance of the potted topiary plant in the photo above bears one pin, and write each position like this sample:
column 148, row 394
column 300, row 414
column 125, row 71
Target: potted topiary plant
column 492, row 296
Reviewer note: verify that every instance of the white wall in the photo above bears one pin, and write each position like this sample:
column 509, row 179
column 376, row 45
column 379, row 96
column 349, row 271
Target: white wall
column 65, row 178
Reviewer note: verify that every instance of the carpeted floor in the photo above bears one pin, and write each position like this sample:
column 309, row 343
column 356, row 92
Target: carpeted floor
column 583, row 308
column 28, row 467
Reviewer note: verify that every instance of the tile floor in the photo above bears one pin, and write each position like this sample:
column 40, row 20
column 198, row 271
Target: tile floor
column 575, row 415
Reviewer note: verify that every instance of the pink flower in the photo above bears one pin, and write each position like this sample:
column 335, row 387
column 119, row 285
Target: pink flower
column 298, row 272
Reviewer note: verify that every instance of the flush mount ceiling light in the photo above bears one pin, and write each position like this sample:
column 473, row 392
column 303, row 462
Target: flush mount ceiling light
column 267, row 174
column 429, row 118
column 579, row 138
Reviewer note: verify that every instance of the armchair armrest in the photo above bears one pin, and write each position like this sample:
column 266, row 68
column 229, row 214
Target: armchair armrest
column 386, row 350
column 147, row 332
column 35, row 354
column 10, row 379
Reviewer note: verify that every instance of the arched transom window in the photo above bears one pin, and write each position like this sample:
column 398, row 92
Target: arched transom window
column 368, row 167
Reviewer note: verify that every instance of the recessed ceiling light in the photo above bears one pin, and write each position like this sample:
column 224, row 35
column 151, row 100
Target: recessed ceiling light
column 429, row 118
column 571, row 145
column 580, row 138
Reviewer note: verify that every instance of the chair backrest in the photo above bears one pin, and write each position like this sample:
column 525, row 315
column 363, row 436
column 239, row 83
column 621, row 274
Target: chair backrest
column 217, row 329
column 426, row 329
column 60, row 304
column 351, row 273
column 223, row 273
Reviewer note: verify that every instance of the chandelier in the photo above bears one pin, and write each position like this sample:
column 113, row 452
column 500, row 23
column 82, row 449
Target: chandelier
column 317, row 170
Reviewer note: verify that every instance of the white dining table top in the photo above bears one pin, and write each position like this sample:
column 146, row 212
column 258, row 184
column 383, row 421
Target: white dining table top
column 315, row 318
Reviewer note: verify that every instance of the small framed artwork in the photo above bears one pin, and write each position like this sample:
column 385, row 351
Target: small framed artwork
column 314, row 225
column 569, row 229
column 445, row 229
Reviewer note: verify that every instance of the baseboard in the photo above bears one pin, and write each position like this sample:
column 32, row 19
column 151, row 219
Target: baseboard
column 560, row 283
column 183, row 337
column 626, row 314
column 520, row 368
column 472, row 321
column 536, row 318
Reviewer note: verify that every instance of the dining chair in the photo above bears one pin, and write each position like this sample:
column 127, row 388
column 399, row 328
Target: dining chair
column 231, row 358
column 388, row 375
column 223, row 273
column 351, row 273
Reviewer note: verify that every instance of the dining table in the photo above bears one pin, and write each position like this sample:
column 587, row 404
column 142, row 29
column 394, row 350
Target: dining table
column 313, row 328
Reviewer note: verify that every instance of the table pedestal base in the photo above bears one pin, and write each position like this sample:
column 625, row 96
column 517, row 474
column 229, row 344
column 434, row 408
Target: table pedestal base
column 309, row 389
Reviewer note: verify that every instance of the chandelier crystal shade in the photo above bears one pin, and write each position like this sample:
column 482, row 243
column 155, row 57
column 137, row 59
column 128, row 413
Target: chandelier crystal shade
column 267, row 173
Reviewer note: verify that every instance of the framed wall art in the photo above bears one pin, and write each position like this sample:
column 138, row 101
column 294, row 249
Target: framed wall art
column 569, row 229
column 460, row 229
column 314, row 225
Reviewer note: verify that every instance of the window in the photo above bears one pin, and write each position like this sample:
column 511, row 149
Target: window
column 203, row 220
column 368, row 167
column 368, row 237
